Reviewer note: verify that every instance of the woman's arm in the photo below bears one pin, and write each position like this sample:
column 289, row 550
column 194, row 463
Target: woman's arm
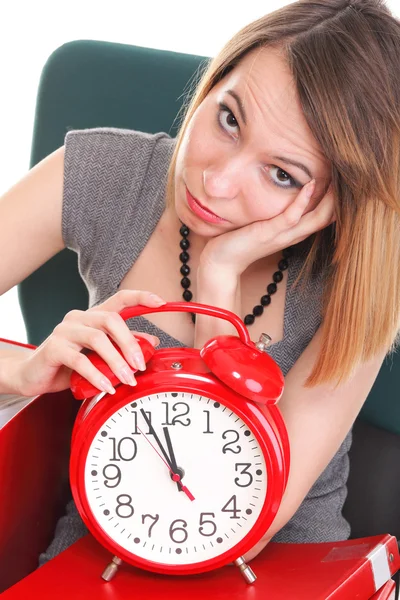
column 30, row 221
column 217, row 287
column 317, row 419
column 30, row 234
column 10, row 359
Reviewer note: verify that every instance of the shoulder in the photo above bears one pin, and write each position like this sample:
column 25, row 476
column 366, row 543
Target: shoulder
column 104, row 134
column 111, row 146
column 109, row 174
column 111, row 162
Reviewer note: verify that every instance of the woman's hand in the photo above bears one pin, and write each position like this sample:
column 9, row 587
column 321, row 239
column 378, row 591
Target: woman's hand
column 48, row 368
column 238, row 249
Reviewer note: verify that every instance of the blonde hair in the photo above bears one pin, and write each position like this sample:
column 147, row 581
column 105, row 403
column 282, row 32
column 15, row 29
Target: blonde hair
column 345, row 61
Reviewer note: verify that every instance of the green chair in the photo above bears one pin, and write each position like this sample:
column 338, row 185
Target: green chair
column 90, row 84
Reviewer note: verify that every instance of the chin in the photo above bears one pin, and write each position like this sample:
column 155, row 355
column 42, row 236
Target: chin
column 198, row 226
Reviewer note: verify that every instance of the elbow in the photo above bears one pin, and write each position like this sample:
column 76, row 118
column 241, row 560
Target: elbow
column 287, row 509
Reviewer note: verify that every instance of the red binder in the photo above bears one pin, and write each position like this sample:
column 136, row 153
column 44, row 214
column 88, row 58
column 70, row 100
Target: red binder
column 34, row 456
column 354, row 569
column 387, row 592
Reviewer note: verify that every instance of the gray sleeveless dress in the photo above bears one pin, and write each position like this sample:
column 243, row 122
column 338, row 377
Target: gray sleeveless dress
column 114, row 193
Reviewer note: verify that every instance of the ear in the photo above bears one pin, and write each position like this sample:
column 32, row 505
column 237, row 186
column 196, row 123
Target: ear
column 81, row 388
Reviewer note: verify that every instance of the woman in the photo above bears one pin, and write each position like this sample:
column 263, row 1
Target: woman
column 285, row 171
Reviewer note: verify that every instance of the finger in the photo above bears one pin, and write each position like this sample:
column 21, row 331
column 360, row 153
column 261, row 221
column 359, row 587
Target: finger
column 328, row 206
column 114, row 325
column 81, row 364
column 292, row 215
column 119, row 301
column 86, row 317
column 56, row 355
column 276, row 230
column 320, row 217
column 79, row 336
column 125, row 298
column 153, row 339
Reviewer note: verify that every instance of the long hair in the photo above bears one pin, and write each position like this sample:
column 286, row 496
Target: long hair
column 345, row 60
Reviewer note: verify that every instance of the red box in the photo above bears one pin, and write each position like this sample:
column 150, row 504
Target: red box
column 353, row 569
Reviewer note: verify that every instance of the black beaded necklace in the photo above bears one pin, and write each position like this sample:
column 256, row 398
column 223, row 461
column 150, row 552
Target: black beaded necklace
column 264, row 301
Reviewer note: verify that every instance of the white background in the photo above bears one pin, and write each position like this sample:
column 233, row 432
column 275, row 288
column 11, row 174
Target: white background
column 31, row 30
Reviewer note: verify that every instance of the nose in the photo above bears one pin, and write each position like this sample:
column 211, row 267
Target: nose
column 221, row 182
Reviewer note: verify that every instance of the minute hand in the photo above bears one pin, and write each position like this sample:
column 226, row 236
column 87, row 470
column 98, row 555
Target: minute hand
column 153, row 432
column 175, row 476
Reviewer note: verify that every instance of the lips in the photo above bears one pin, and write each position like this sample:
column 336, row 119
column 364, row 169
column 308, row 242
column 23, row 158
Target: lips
column 201, row 210
column 206, row 209
column 203, row 207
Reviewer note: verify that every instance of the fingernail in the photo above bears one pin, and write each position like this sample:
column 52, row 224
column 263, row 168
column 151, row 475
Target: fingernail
column 105, row 385
column 310, row 187
column 157, row 299
column 139, row 361
column 126, row 376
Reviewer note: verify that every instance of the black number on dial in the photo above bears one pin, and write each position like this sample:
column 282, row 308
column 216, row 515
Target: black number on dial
column 136, row 431
column 206, row 522
column 110, row 477
column 208, row 430
column 244, row 471
column 125, row 449
column 176, row 532
column 144, row 517
column 234, row 508
column 177, row 418
column 226, row 448
column 124, row 507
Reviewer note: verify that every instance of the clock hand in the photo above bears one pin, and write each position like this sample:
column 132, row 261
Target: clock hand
column 175, row 476
column 152, row 431
column 172, row 454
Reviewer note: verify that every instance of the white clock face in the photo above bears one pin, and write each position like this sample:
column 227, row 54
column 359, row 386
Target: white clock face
column 132, row 494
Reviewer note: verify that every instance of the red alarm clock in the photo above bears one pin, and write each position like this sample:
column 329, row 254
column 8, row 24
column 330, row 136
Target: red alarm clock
column 184, row 472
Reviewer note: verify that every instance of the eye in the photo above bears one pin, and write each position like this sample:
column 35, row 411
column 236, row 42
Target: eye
column 226, row 119
column 229, row 124
column 281, row 178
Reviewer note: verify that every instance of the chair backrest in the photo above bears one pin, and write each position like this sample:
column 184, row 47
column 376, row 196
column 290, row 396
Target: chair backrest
column 90, row 84
column 372, row 504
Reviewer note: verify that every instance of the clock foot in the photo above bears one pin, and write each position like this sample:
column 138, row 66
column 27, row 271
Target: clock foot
column 246, row 571
column 111, row 569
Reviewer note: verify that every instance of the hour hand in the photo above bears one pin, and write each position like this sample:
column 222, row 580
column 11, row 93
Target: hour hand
column 175, row 467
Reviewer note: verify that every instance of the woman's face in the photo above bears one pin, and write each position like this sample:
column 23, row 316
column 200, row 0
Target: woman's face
column 248, row 150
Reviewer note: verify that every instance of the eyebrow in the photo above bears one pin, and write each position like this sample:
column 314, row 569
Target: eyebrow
column 239, row 104
column 287, row 161
column 294, row 163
